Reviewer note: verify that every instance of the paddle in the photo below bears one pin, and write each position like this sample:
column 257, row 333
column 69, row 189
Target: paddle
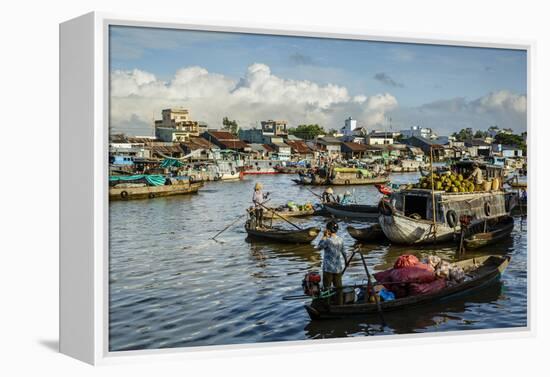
column 229, row 226
column 275, row 212
column 232, row 223
column 317, row 195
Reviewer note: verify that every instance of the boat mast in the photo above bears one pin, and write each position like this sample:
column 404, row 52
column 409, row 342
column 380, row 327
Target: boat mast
column 433, row 193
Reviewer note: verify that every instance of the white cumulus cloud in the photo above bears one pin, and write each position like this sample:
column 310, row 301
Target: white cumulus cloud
column 138, row 96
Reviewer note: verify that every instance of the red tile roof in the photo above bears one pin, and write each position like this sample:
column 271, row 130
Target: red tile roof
column 299, row 147
column 355, row 147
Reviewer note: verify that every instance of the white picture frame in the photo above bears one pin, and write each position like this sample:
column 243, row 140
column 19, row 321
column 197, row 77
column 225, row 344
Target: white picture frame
column 84, row 117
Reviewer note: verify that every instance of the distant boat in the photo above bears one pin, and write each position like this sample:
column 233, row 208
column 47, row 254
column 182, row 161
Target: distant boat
column 261, row 167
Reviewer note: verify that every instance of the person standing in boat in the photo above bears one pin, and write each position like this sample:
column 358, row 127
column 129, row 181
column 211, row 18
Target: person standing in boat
column 328, row 196
column 334, row 259
column 259, row 198
column 477, row 175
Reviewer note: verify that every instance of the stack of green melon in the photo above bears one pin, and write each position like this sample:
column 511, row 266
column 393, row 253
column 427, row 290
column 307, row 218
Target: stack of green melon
column 448, row 182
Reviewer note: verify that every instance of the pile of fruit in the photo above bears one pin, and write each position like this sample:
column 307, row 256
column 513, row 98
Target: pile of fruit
column 448, row 182
column 297, row 207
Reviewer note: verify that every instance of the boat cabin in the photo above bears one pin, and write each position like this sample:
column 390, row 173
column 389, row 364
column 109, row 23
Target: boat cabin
column 489, row 171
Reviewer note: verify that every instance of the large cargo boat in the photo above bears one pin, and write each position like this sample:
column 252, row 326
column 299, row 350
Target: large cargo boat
column 408, row 216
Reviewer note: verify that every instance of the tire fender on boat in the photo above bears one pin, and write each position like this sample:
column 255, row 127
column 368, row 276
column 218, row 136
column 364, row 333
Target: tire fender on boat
column 124, row 194
column 452, row 218
column 151, row 195
column 487, row 209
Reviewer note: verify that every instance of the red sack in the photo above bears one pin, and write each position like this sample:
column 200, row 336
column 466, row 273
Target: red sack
column 407, row 260
column 413, row 274
column 425, row 288
column 383, row 276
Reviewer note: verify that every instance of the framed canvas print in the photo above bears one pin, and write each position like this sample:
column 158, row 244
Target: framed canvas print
column 227, row 187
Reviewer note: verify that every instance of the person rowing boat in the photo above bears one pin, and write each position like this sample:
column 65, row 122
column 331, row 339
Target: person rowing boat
column 334, row 259
column 258, row 199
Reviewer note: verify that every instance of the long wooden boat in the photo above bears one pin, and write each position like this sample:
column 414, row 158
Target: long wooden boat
column 355, row 211
column 497, row 232
column 288, row 213
column 283, row 235
column 480, row 272
column 150, row 192
column 343, row 180
column 370, row 233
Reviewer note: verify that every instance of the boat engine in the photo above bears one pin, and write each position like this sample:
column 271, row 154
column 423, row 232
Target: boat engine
column 311, row 284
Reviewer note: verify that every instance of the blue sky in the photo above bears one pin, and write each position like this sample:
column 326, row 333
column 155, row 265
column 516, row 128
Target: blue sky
column 414, row 75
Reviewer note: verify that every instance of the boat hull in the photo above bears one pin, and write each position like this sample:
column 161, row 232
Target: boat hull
column 286, row 236
column 358, row 181
column 151, row 192
column 403, row 230
column 352, row 211
column 489, row 269
column 484, row 239
column 369, row 234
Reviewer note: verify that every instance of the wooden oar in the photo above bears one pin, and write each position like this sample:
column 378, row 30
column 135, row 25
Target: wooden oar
column 317, row 195
column 232, row 223
column 229, row 226
column 369, row 282
column 275, row 212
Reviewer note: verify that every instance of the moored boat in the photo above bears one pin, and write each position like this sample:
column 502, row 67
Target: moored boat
column 289, row 213
column 283, row 235
column 408, row 216
column 132, row 191
column 370, row 233
column 355, row 211
column 480, row 272
column 496, row 231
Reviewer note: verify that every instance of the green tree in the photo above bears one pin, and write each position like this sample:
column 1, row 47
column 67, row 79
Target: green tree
column 230, row 125
column 511, row 139
column 306, row 131
column 464, row 134
column 481, row 134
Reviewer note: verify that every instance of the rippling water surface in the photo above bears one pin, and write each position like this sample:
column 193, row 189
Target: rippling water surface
column 172, row 286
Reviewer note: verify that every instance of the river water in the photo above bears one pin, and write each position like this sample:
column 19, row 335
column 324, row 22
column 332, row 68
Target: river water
column 172, row 286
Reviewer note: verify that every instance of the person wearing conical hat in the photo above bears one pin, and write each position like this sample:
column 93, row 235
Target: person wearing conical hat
column 258, row 199
column 328, row 196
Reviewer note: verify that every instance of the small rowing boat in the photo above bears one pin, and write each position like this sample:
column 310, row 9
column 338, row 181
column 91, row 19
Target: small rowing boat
column 480, row 272
column 494, row 233
column 355, row 211
column 283, row 235
column 369, row 234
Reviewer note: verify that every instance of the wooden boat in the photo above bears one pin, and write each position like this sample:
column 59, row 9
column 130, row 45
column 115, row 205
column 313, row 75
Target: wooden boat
column 347, row 179
column 355, row 211
column 369, row 234
column 480, row 272
column 150, row 192
column 409, row 219
column 498, row 231
column 283, row 235
column 288, row 213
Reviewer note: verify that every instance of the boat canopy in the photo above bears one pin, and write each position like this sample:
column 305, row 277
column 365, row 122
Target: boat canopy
column 171, row 162
column 153, row 180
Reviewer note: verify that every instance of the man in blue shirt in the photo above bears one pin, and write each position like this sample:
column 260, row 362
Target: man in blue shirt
column 334, row 259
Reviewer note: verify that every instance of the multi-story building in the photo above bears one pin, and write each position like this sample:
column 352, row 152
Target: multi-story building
column 350, row 125
column 417, row 131
column 176, row 126
column 274, row 128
